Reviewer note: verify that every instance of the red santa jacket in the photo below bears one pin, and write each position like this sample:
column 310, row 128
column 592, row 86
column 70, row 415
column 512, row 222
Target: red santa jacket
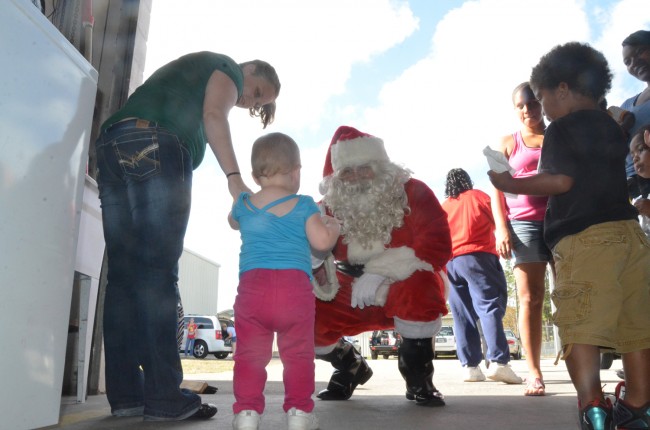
column 418, row 249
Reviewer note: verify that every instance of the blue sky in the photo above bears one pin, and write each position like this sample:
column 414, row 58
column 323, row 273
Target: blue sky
column 432, row 78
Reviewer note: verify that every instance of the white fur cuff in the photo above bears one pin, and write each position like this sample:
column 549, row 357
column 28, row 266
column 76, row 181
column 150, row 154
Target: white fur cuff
column 328, row 291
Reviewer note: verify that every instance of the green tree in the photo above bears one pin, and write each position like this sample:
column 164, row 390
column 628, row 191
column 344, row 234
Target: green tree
column 512, row 311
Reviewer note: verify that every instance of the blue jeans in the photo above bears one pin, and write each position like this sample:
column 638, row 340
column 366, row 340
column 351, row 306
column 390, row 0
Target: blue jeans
column 478, row 292
column 145, row 181
column 528, row 242
column 189, row 346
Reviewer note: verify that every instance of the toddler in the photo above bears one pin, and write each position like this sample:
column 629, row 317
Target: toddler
column 275, row 295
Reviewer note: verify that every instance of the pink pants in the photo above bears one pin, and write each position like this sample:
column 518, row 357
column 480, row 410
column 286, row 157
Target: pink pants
column 268, row 302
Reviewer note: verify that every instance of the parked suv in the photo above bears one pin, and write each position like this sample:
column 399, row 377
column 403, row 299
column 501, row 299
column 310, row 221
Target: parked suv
column 445, row 342
column 209, row 337
column 384, row 342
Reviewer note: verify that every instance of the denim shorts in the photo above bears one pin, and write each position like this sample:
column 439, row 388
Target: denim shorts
column 528, row 244
column 602, row 287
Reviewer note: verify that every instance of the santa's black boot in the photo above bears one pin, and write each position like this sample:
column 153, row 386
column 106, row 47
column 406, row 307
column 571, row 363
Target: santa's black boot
column 351, row 369
column 415, row 363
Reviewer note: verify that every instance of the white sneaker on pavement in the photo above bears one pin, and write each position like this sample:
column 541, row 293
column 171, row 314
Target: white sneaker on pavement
column 301, row 420
column 504, row 373
column 246, row 420
column 473, row 374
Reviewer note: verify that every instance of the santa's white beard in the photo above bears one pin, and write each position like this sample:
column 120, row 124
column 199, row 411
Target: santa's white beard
column 369, row 209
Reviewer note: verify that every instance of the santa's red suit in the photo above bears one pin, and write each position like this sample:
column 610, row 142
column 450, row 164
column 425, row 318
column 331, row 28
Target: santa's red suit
column 417, row 251
column 405, row 277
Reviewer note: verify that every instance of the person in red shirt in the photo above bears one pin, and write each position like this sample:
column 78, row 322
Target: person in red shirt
column 478, row 290
column 191, row 337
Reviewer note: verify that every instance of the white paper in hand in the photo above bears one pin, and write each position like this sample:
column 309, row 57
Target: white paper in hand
column 498, row 163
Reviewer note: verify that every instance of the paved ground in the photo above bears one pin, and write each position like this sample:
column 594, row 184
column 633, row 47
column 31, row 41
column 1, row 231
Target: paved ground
column 380, row 403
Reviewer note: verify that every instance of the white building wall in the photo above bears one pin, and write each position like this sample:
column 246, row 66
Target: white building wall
column 47, row 97
column 198, row 282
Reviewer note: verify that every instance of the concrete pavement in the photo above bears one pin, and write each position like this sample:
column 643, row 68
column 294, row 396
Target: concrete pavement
column 380, row 403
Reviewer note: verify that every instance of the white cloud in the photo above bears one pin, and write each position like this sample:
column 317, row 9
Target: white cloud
column 442, row 111
column 437, row 114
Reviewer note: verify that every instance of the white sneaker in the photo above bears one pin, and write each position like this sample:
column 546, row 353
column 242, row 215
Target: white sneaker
column 504, row 373
column 474, row 374
column 300, row 420
column 246, row 420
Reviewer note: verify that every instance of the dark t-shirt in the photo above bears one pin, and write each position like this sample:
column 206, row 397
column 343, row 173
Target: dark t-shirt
column 589, row 146
column 173, row 97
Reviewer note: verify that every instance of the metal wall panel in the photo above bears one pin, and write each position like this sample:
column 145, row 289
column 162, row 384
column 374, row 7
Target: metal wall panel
column 198, row 283
column 47, row 95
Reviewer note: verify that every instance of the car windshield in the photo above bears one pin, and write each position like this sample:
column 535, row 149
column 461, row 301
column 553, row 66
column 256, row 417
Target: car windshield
column 446, row 331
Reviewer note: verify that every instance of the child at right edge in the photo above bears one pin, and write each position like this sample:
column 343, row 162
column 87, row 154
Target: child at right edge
column 640, row 154
column 275, row 294
column 602, row 257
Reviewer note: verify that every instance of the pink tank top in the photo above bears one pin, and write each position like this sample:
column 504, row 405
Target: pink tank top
column 525, row 161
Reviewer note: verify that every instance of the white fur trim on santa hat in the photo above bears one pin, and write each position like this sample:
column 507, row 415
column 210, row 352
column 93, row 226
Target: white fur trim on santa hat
column 357, row 152
column 397, row 264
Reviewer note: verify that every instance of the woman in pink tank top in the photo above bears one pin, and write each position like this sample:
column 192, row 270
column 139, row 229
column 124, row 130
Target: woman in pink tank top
column 519, row 230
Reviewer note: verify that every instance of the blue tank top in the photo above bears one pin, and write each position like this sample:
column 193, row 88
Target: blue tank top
column 274, row 242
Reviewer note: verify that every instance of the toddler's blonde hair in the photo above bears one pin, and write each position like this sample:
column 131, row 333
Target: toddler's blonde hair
column 274, row 153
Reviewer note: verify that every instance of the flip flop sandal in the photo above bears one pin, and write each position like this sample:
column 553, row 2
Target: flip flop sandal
column 535, row 388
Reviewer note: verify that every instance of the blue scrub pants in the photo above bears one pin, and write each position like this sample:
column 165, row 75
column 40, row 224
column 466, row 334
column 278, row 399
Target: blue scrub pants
column 479, row 293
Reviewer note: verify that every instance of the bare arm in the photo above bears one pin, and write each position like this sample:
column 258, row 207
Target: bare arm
column 322, row 231
column 501, row 232
column 233, row 224
column 542, row 184
column 220, row 98
column 498, row 202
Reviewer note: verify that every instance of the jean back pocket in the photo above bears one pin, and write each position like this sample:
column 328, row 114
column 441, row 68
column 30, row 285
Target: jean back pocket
column 138, row 154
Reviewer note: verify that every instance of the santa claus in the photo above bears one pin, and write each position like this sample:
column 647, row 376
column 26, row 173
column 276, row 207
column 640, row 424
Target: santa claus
column 386, row 269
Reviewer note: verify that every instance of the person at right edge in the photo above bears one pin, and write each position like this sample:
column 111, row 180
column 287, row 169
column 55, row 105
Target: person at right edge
column 146, row 153
column 602, row 257
column 634, row 112
column 636, row 57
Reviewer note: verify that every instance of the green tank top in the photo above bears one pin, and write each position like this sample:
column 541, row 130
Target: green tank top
column 173, row 97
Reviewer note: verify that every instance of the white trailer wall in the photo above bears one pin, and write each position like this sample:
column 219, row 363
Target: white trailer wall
column 198, row 282
column 47, row 96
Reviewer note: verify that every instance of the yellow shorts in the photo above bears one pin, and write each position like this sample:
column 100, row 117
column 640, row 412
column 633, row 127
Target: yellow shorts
column 602, row 287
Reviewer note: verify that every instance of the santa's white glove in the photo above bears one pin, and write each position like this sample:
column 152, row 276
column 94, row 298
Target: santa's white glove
column 365, row 288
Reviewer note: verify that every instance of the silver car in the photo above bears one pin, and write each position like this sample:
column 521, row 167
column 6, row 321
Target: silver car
column 513, row 344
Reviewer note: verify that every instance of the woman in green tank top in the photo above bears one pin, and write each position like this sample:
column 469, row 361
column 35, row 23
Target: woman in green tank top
column 146, row 153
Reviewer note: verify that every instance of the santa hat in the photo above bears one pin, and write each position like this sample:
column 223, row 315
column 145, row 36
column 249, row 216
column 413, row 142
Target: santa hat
column 351, row 147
